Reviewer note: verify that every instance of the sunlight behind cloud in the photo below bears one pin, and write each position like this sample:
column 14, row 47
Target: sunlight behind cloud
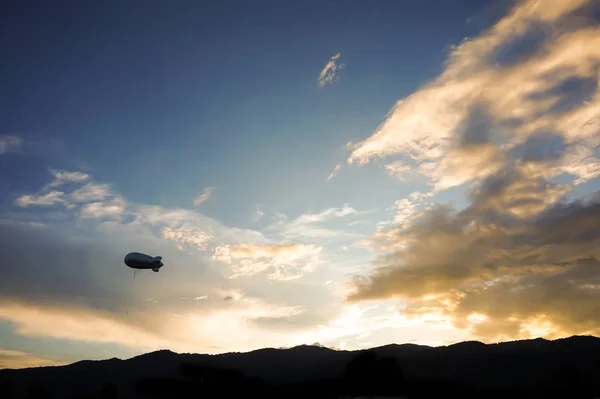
column 287, row 261
column 210, row 331
column 515, row 108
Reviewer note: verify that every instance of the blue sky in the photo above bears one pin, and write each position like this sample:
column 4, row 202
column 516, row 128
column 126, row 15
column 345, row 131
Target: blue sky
column 318, row 197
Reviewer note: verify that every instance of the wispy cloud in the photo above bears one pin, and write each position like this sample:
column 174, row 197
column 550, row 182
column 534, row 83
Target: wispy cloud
column 204, row 196
column 258, row 214
column 63, row 176
column 287, row 261
column 329, row 74
column 187, row 235
column 9, row 143
column 49, row 199
column 50, row 196
column 334, row 172
column 309, row 225
column 91, row 192
column 112, row 209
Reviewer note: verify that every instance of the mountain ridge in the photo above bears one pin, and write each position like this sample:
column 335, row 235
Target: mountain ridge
column 519, row 364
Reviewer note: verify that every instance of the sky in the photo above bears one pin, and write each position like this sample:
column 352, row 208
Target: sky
column 348, row 174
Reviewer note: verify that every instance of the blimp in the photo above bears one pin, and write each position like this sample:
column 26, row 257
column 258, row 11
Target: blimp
column 137, row 260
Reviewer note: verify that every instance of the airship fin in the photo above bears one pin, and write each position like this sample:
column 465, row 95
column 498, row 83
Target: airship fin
column 155, row 269
column 159, row 258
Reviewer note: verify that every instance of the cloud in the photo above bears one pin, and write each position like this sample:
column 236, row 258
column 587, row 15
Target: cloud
column 518, row 244
column 258, row 214
column 91, row 192
column 533, row 73
column 187, row 235
column 204, row 196
column 12, row 359
column 62, row 176
column 50, row 196
column 335, row 171
column 112, row 209
column 97, row 202
column 9, row 143
column 309, row 225
column 49, row 199
column 399, row 170
column 329, row 72
column 287, row 261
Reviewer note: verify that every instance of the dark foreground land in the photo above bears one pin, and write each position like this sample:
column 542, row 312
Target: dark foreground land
column 565, row 368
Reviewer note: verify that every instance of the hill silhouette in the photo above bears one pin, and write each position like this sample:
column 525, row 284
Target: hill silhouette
column 563, row 368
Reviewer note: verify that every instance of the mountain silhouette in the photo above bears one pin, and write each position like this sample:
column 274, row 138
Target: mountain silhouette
column 562, row 368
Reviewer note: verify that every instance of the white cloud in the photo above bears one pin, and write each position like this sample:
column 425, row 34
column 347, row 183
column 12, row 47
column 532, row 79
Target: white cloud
column 258, row 214
column 335, row 171
column 204, row 196
column 399, row 170
column 62, row 176
column 112, row 209
column 287, row 261
column 419, row 196
column 9, row 143
column 91, row 192
column 405, row 209
column 329, row 72
column 187, row 235
column 48, row 199
column 308, row 225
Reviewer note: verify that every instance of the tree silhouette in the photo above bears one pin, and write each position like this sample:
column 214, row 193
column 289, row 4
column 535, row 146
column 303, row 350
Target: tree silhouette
column 367, row 374
column 110, row 391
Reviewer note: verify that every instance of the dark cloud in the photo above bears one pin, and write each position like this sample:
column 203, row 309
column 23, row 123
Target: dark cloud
column 47, row 265
column 569, row 93
column 516, row 192
column 475, row 128
column 511, row 266
column 541, row 147
column 521, row 46
column 38, row 263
